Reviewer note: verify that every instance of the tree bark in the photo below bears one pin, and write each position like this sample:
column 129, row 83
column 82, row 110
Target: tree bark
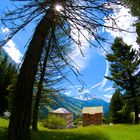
column 38, row 95
column 19, row 126
column 136, row 111
column 133, row 93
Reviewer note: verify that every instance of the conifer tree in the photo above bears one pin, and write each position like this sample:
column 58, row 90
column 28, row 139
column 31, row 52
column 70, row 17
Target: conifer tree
column 7, row 73
column 52, row 66
column 124, row 63
column 116, row 105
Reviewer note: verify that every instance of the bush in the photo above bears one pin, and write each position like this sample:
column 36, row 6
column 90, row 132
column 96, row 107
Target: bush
column 126, row 115
column 78, row 122
column 55, row 122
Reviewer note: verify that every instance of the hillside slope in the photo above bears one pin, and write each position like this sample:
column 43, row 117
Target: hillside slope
column 72, row 104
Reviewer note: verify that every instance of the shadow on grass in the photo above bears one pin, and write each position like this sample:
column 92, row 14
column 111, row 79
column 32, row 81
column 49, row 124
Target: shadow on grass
column 60, row 135
column 65, row 135
column 3, row 133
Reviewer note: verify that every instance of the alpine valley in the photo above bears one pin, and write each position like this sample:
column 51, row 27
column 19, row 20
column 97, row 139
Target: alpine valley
column 74, row 105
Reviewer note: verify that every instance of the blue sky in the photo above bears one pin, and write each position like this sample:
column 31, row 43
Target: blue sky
column 93, row 66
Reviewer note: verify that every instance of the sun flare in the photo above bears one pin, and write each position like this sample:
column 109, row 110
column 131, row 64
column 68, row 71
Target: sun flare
column 58, row 7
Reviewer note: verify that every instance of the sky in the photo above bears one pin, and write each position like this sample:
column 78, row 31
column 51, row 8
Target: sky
column 93, row 66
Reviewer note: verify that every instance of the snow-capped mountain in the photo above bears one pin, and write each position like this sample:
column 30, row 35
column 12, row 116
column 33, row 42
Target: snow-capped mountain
column 72, row 104
column 85, row 96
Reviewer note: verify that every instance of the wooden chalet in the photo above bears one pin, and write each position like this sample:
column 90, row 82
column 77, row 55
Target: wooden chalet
column 92, row 115
column 64, row 113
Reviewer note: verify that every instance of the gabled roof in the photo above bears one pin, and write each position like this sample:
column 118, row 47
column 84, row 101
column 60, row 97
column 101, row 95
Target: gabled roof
column 92, row 110
column 61, row 110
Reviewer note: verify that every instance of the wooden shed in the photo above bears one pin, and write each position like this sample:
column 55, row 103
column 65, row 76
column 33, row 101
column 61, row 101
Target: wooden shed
column 64, row 113
column 92, row 115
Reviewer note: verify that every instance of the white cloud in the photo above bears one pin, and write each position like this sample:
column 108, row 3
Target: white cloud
column 5, row 30
column 109, row 89
column 123, row 20
column 60, row 76
column 93, row 87
column 68, row 93
column 96, row 85
column 80, row 62
column 76, row 55
column 12, row 51
column 81, row 53
column 104, row 81
column 11, row 48
column 108, row 96
column 86, row 91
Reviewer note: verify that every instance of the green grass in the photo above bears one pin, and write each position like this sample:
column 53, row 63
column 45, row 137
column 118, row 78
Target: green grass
column 3, row 129
column 102, row 132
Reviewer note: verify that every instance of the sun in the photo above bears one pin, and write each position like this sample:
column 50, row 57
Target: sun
column 58, row 7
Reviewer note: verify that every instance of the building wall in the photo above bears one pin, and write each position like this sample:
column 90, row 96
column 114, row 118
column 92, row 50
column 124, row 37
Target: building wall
column 86, row 119
column 67, row 117
column 89, row 119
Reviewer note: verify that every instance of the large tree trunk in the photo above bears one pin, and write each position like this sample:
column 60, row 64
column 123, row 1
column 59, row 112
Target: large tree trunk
column 38, row 95
column 19, row 126
column 136, row 111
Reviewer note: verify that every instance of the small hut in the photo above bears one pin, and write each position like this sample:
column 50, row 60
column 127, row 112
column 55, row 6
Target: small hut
column 92, row 115
column 64, row 113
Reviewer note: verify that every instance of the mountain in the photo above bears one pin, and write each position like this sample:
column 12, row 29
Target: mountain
column 84, row 96
column 72, row 104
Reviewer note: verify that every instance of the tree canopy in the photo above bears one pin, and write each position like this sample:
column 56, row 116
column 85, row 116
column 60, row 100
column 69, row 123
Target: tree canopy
column 124, row 63
column 116, row 105
column 7, row 74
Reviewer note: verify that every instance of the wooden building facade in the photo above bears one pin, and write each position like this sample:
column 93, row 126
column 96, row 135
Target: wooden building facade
column 64, row 113
column 92, row 115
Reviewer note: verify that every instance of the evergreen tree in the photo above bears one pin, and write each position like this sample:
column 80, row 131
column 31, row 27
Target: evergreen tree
column 116, row 105
column 52, row 67
column 123, row 64
column 11, row 90
column 126, row 112
column 138, row 31
column 7, row 73
column 120, row 110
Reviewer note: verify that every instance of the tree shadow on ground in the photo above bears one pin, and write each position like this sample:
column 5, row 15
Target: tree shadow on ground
column 3, row 133
column 60, row 135
column 64, row 135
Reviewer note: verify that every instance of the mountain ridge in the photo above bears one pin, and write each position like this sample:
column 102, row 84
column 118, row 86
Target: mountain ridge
column 85, row 96
column 72, row 104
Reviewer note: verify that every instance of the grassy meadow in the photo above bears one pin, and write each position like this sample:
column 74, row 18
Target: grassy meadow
column 102, row 132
